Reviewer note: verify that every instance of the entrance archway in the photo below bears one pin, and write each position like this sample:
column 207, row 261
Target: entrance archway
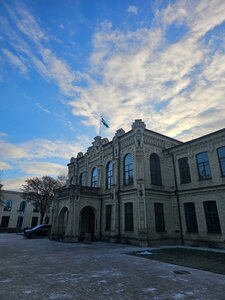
column 63, row 219
column 87, row 222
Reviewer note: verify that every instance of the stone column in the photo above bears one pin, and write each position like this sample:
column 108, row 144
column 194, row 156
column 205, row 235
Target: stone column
column 70, row 228
column 55, row 214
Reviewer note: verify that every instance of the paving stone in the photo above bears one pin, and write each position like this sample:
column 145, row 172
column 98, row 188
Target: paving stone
column 44, row 269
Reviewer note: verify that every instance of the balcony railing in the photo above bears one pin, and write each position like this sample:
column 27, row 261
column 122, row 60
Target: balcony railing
column 66, row 192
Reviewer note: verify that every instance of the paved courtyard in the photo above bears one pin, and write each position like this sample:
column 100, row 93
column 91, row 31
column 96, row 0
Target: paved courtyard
column 44, row 269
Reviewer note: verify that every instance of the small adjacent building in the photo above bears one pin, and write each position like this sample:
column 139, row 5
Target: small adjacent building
column 16, row 213
column 145, row 188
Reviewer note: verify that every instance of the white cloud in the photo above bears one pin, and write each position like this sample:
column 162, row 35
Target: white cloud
column 16, row 61
column 141, row 70
column 3, row 134
column 32, row 158
column 40, row 148
column 4, row 166
column 33, row 49
column 9, row 151
column 58, row 70
column 42, row 108
column 14, row 184
column 140, row 73
column 43, row 169
column 176, row 87
column 26, row 23
column 132, row 9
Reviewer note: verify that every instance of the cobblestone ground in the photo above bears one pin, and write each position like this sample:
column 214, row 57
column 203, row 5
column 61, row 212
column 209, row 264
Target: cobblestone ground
column 44, row 269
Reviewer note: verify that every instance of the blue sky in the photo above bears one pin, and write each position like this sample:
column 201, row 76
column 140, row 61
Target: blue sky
column 63, row 63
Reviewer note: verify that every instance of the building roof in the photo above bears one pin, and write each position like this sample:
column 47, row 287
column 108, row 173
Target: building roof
column 196, row 140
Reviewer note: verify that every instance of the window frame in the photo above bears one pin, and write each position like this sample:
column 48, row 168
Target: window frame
column 128, row 170
column 22, row 206
column 81, row 179
column 222, row 164
column 159, row 217
column 34, row 221
column 5, row 221
column 7, row 207
column 184, row 170
column 204, row 165
column 109, row 175
column 19, row 222
column 190, row 217
column 212, row 218
column 72, row 180
column 128, row 217
column 155, row 169
column 108, row 217
column 94, row 178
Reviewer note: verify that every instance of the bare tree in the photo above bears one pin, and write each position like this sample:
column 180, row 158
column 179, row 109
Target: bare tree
column 62, row 178
column 40, row 192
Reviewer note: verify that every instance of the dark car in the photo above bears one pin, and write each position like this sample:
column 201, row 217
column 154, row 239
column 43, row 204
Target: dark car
column 39, row 230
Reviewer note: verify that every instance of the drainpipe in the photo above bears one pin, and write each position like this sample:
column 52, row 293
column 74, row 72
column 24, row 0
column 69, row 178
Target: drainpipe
column 178, row 202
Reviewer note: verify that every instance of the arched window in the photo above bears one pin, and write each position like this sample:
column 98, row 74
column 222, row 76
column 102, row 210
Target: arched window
column 128, row 170
column 94, row 178
column 155, row 169
column 81, row 179
column 109, row 175
column 72, row 180
column 22, row 206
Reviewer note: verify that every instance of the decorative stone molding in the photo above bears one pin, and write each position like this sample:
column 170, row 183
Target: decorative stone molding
column 138, row 124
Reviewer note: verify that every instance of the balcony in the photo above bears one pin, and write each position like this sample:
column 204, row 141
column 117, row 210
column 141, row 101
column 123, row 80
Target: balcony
column 72, row 189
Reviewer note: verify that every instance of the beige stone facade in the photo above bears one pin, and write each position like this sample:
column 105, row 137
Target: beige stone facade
column 16, row 213
column 145, row 188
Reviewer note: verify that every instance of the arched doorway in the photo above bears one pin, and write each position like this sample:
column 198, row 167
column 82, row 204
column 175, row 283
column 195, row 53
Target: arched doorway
column 87, row 223
column 63, row 219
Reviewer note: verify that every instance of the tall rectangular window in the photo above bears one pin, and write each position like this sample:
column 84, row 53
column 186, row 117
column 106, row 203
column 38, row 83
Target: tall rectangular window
column 185, row 176
column 128, row 170
column 204, row 171
column 128, row 216
column 159, row 217
column 221, row 156
column 94, row 178
column 34, row 221
column 190, row 216
column 5, row 221
column 212, row 217
column 19, row 222
column 109, row 175
column 108, row 217
column 81, row 179
column 155, row 169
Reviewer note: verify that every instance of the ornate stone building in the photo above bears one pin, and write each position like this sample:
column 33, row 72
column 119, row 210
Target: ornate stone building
column 145, row 188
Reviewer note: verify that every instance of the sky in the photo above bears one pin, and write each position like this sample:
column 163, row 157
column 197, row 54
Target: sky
column 65, row 63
